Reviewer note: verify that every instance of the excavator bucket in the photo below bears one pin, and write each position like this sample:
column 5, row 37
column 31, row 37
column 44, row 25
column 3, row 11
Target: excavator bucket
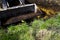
column 15, row 11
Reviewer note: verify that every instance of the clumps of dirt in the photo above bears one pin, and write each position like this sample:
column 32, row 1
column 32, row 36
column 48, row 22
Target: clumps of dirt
column 48, row 12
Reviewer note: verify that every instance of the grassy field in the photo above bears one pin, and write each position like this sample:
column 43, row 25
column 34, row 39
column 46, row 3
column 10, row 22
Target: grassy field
column 37, row 30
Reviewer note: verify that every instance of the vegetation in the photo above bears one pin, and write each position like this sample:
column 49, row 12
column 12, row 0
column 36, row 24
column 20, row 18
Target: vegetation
column 37, row 30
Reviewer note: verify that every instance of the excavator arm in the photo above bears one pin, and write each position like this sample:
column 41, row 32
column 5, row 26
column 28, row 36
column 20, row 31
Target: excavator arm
column 11, row 3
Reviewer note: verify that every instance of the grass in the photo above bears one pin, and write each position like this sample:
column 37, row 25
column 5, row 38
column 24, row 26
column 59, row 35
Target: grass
column 37, row 30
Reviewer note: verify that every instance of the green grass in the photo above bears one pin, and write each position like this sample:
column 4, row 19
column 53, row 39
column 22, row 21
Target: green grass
column 18, row 32
column 26, row 32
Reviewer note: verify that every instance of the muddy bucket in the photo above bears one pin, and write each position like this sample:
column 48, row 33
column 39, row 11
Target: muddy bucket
column 8, row 13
